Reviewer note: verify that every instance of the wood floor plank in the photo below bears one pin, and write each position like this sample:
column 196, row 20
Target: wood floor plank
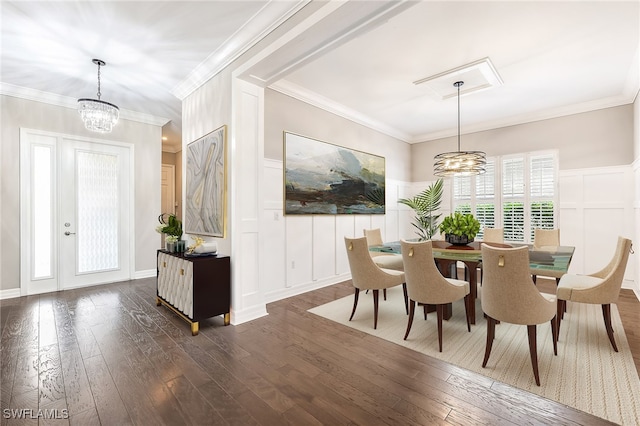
column 109, row 355
column 109, row 405
column 193, row 404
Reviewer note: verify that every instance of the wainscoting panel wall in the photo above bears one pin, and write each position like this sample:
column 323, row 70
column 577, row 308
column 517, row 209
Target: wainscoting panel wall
column 302, row 253
column 596, row 206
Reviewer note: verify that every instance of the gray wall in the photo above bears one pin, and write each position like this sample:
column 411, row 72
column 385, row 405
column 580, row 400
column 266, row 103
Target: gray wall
column 591, row 139
column 284, row 113
column 19, row 113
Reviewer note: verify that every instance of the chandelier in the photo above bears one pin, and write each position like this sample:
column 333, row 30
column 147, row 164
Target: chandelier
column 459, row 163
column 98, row 116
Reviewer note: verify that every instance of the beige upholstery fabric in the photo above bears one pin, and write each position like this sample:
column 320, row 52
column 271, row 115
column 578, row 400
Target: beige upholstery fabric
column 493, row 235
column 383, row 260
column 546, row 237
column 365, row 274
column 425, row 283
column 508, row 293
column 602, row 287
column 373, row 236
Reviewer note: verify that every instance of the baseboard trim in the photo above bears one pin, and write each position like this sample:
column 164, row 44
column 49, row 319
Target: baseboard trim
column 284, row 293
column 249, row 314
column 149, row 273
column 10, row 293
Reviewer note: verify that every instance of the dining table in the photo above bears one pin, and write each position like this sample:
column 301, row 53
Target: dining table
column 548, row 261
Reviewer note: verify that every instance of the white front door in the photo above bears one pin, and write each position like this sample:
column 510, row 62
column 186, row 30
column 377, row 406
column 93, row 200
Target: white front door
column 77, row 230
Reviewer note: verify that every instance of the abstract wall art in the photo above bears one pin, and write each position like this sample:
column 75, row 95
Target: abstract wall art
column 323, row 178
column 205, row 209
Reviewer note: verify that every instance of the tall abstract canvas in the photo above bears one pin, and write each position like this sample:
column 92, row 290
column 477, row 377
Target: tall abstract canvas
column 323, row 178
column 206, row 185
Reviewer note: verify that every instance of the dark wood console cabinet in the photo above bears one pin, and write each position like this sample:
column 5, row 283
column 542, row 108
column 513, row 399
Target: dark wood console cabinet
column 195, row 288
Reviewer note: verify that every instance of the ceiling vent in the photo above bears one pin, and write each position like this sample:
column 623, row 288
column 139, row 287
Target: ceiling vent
column 478, row 75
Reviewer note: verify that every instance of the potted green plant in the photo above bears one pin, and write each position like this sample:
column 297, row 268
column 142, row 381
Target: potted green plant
column 460, row 228
column 171, row 226
column 425, row 205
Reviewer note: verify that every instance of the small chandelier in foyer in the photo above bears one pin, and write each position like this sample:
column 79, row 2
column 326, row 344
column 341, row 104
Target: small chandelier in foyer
column 97, row 115
column 459, row 163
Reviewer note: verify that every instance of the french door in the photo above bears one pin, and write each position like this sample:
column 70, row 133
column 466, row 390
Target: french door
column 76, row 212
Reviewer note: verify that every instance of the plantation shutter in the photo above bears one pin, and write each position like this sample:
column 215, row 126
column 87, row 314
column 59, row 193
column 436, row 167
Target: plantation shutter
column 513, row 219
column 462, row 194
column 485, row 210
column 542, row 183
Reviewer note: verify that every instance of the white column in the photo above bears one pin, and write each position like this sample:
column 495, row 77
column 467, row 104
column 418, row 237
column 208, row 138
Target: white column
column 246, row 173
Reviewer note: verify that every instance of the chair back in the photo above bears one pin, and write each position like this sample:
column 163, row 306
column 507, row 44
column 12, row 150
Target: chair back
column 508, row 292
column 612, row 274
column 493, row 235
column 546, row 237
column 373, row 236
column 424, row 281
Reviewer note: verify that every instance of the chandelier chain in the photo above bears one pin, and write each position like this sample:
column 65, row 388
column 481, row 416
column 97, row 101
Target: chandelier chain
column 100, row 93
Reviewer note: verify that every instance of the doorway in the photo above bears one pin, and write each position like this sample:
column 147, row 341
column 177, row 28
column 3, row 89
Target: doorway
column 76, row 211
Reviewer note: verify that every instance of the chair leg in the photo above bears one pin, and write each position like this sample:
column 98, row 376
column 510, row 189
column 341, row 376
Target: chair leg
column 406, row 297
column 491, row 329
column 439, row 311
column 376, row 296
column 533, row 277
column 606, row 313
column 412, row 308
column 384, row 293
column 355, row 303
column 467, row 306
column 559, row 311
column 554, row 334
column 424, row 308
column 533, row 351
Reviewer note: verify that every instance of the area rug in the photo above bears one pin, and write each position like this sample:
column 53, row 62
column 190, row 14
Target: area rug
column 587, row 374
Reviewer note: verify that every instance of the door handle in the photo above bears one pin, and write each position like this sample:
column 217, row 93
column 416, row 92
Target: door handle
column 67, row 233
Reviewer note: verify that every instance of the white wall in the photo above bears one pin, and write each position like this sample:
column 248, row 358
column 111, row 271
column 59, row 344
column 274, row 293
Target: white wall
column 146, row 139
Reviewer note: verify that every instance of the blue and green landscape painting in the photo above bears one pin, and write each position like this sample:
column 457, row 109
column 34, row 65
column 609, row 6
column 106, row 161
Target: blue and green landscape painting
column 322, row 178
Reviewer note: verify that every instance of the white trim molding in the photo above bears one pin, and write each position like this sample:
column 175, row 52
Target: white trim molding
column 10, row 293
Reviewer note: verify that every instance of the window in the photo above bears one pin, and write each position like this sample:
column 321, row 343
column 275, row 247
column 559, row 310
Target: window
column 525, row 198
column 476, row 194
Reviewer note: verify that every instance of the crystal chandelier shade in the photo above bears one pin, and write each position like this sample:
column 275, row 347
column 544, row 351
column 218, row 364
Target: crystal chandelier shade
column 97, row 115
column 459, row 163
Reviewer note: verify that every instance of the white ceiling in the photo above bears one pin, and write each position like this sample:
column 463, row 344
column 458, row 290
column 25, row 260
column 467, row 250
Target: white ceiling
column 555, row 58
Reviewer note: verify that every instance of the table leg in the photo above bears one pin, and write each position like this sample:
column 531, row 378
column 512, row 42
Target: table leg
column 473, row 287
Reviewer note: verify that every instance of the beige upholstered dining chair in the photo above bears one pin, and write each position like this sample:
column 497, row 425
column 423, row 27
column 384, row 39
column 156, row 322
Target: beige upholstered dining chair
column 493, row 235
column 545, row 238
column 602, row 287
column 426, row 285
column 509, row 295
column 383, row 260
column 365, row 274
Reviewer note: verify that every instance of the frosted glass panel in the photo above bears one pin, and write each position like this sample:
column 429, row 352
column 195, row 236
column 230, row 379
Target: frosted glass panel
column 97, row 215
column 41, row 212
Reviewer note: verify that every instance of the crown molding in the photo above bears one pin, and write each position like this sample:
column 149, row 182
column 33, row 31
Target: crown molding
column 68, row 102
column 272, row 15
column 312, row 98
column 580, row 108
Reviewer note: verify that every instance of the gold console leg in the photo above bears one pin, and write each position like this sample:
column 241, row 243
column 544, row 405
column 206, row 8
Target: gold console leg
column 227, row 318
column 195, row 328
column 158, row 303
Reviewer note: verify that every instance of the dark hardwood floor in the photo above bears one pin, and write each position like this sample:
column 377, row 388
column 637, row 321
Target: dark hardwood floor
column 108, row 355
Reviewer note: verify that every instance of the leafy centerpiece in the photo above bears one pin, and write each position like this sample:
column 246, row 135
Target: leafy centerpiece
column 460, row 229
